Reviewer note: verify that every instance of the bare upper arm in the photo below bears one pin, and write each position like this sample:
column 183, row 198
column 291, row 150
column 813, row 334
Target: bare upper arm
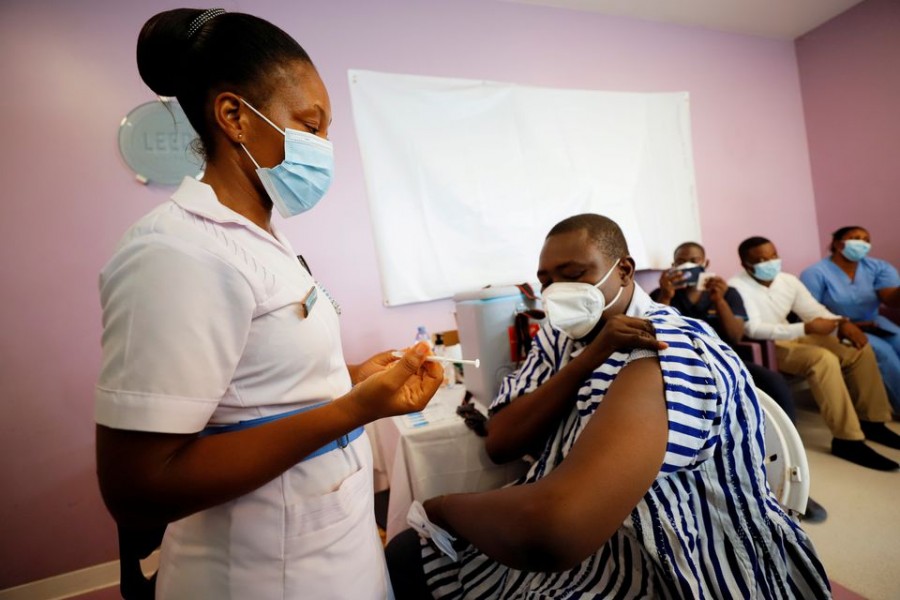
column 884, row 294
column 128, row 461
column 611, row 466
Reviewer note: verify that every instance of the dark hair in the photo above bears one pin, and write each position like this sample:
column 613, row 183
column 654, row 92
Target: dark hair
column 603, row 231
column 838, row 235
column 229, row 52
column 749, row 244
column 689, row 245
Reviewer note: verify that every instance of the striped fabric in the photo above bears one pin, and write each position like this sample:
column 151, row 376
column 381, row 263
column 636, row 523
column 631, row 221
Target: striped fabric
column 708, row 527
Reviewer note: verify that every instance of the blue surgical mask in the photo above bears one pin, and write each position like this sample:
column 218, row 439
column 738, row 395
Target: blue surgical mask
column 768, row 270
column 303, row 177
column 856, row 250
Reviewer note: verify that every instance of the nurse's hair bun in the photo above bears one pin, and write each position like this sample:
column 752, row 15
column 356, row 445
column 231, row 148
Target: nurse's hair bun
column 189, row 52
column 162, row 50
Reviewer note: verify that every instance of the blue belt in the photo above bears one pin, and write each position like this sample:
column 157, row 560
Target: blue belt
column 341, row 442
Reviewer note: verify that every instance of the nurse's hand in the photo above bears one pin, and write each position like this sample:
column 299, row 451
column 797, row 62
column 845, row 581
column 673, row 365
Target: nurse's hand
column 404, row 386
column 375, row 364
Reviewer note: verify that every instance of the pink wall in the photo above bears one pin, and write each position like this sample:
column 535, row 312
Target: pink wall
column 69, row 76
column 850, row 77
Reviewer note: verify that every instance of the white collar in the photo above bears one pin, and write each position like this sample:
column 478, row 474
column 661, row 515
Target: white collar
column 200, row 199
column 640, row 303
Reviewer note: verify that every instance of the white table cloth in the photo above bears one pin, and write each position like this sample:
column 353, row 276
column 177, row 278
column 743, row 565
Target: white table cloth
column 435, row 453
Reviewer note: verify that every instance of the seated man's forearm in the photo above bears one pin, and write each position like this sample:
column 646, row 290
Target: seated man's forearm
column 526, row 422
column 507, row 524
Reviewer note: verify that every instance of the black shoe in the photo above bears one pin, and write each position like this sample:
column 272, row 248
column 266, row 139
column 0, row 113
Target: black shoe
column 879, row 432
column 857, row 452
column 815, row 512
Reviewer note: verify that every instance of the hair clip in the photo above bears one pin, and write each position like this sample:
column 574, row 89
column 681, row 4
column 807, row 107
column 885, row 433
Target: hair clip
column 202, row 19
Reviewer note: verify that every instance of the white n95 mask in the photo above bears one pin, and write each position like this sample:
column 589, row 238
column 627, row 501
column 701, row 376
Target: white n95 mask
column 575, row 308
column 303, row 177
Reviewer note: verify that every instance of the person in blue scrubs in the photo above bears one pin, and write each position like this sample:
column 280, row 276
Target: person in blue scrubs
column 852, row 284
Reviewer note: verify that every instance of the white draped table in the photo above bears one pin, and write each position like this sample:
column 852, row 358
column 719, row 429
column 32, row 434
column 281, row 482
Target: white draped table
column 432, row 453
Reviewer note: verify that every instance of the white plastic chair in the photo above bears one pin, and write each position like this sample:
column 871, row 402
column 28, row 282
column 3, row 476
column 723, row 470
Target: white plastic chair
column 786, row 468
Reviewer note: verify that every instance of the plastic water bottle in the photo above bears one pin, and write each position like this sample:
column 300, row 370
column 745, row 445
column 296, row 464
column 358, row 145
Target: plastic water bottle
column 449, row 368
column 423, row 336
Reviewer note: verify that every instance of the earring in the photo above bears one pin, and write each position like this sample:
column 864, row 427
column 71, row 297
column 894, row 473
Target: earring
column 240, row 136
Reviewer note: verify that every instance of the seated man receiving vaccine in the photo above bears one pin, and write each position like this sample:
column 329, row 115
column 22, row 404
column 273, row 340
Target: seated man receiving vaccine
column 648, row 479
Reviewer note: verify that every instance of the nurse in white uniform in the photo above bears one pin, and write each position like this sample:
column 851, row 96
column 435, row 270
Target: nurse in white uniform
column 224, row 407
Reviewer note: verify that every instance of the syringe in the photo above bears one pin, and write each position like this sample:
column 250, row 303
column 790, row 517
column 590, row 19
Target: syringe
column 445, row 359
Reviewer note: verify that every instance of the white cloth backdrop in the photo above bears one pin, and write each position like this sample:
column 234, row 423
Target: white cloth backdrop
column 466, row 177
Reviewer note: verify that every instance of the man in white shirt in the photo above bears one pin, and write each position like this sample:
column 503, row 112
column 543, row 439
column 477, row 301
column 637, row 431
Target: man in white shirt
column 842, row 373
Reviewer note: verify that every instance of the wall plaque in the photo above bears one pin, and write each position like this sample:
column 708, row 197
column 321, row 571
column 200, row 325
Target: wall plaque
column 156, row 140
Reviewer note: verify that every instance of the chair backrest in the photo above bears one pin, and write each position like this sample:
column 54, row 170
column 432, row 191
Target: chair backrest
column 787, row 470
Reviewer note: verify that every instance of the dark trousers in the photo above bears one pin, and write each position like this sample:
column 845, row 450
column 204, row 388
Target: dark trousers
column 774, row 384
column 404, row 562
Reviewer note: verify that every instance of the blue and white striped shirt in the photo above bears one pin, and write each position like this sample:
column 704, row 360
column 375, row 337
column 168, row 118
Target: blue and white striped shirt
column 708, row 527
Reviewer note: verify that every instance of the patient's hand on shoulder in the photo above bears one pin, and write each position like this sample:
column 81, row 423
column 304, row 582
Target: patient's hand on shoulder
column 622, row 332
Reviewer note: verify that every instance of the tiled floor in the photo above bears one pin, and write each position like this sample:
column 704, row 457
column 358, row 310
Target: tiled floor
column 859, row 543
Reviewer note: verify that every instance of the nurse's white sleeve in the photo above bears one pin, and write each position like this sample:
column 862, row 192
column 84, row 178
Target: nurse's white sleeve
column 175, row 321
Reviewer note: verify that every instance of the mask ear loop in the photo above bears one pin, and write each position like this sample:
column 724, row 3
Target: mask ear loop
column 602, row 281
column 615, row 298
column 267, row 120
column 263, row 117
column 608, row 273
column 256, row 164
